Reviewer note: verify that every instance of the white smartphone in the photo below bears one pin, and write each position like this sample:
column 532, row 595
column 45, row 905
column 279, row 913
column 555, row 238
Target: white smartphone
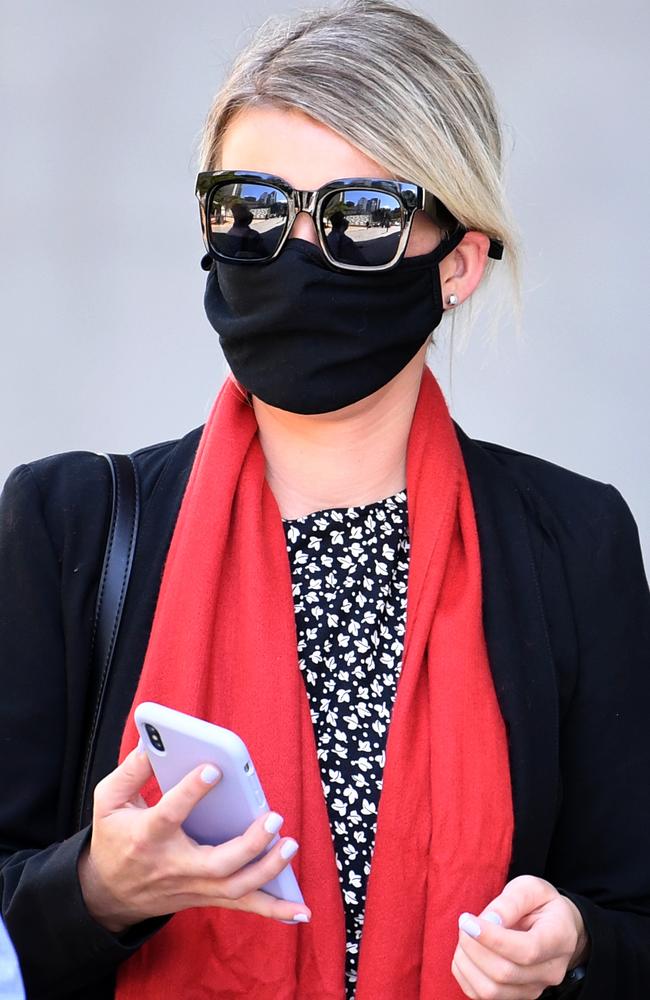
column 175, row 744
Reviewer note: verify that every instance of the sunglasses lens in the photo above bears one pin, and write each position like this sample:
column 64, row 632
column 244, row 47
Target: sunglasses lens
column 362, row 226
column 246, row 220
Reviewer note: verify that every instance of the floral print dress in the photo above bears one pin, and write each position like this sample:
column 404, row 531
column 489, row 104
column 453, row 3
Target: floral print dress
column 349, row 569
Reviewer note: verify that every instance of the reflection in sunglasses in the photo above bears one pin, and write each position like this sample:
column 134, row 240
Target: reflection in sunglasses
column 360, row 226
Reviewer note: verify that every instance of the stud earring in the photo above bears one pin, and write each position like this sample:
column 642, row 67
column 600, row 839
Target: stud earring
column 452, row 300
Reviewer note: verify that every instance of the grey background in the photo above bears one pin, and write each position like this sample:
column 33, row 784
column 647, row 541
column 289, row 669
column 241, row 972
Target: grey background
column 104, row 342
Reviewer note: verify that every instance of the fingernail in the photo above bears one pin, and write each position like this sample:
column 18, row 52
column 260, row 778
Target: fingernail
column 492, row 917
column 273, row 822
column 468, row 924
column 140, row 747
column 210, row 773
column 289, row 848
column 301, row 918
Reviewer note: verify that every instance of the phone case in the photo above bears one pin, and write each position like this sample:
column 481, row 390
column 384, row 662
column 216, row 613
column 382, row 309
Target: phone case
column 235, row 801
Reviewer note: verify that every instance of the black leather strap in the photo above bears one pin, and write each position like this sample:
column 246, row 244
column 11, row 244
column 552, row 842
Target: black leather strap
column 113, row 584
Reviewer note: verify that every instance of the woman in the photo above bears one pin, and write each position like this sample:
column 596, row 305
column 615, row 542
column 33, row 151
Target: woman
column 334, row 570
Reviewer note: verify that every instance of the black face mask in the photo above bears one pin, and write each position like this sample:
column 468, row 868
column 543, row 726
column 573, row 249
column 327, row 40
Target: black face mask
column 307, row 338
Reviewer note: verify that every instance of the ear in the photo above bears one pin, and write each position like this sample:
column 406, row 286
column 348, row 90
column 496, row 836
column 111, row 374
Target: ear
column 461, row 271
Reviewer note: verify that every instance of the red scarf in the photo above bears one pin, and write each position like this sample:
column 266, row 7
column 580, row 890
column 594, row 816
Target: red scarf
column 223, row 647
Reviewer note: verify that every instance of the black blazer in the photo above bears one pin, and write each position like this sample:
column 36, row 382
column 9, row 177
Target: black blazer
column 567, row 624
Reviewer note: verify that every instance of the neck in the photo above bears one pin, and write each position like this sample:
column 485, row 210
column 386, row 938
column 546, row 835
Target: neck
column 351, row 457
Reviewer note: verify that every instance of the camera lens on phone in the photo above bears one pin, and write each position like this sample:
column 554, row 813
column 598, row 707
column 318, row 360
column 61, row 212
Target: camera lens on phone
column 155, row 737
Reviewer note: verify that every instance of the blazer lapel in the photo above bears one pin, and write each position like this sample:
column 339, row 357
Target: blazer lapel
column 519, row 653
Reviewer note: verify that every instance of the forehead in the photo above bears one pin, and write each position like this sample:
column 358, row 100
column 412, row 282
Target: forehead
column 294, row 146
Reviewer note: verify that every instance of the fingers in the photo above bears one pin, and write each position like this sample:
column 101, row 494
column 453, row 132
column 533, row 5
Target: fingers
column 122, row 786
column 266, row 905
column 255, row 875
column 229, row 874
column 478, row 933
column 520, row 897
column 177, row 803
column 239, row 868
column 228, row 858
column 523, row 901
column 518, row 945
column 481, row 985
column 480, row 964
column 463, row 981
column 233, row 864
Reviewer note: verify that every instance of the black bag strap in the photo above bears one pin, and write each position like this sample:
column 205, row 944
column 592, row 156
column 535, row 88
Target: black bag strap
column 113, row 584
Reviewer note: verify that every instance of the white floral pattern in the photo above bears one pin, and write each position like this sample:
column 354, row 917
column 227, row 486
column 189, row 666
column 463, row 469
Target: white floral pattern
column 350, row 572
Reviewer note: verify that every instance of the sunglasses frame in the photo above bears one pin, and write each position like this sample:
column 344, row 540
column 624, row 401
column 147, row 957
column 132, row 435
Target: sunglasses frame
column 411, row 197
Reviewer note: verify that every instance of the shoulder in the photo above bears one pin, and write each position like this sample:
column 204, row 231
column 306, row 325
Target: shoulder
column 581, row 529
column 82, row 473
column 580, row 532
column 70, row 489
column 561, row 502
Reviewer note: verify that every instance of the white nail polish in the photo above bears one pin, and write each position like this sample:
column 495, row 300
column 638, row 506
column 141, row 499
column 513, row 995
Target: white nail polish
column 289, row 848
column 492, row 917
column 467, row 923
column 301, row 918
column 273, row 822
column 210, row 773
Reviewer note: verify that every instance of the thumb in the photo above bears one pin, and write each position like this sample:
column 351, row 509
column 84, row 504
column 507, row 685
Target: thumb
column 519, row 898
column 123, row 785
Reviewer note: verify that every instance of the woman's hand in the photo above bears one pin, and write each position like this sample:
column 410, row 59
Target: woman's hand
column 140, row 863
column 542, row 935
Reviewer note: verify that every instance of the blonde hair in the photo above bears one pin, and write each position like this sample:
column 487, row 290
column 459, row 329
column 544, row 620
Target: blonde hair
column 395, row 86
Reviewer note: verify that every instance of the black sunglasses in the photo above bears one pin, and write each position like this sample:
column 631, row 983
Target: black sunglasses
column 362, row 223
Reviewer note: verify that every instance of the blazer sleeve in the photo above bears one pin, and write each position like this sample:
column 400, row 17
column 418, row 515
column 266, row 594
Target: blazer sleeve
column 59, row 945
column 600, row 855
